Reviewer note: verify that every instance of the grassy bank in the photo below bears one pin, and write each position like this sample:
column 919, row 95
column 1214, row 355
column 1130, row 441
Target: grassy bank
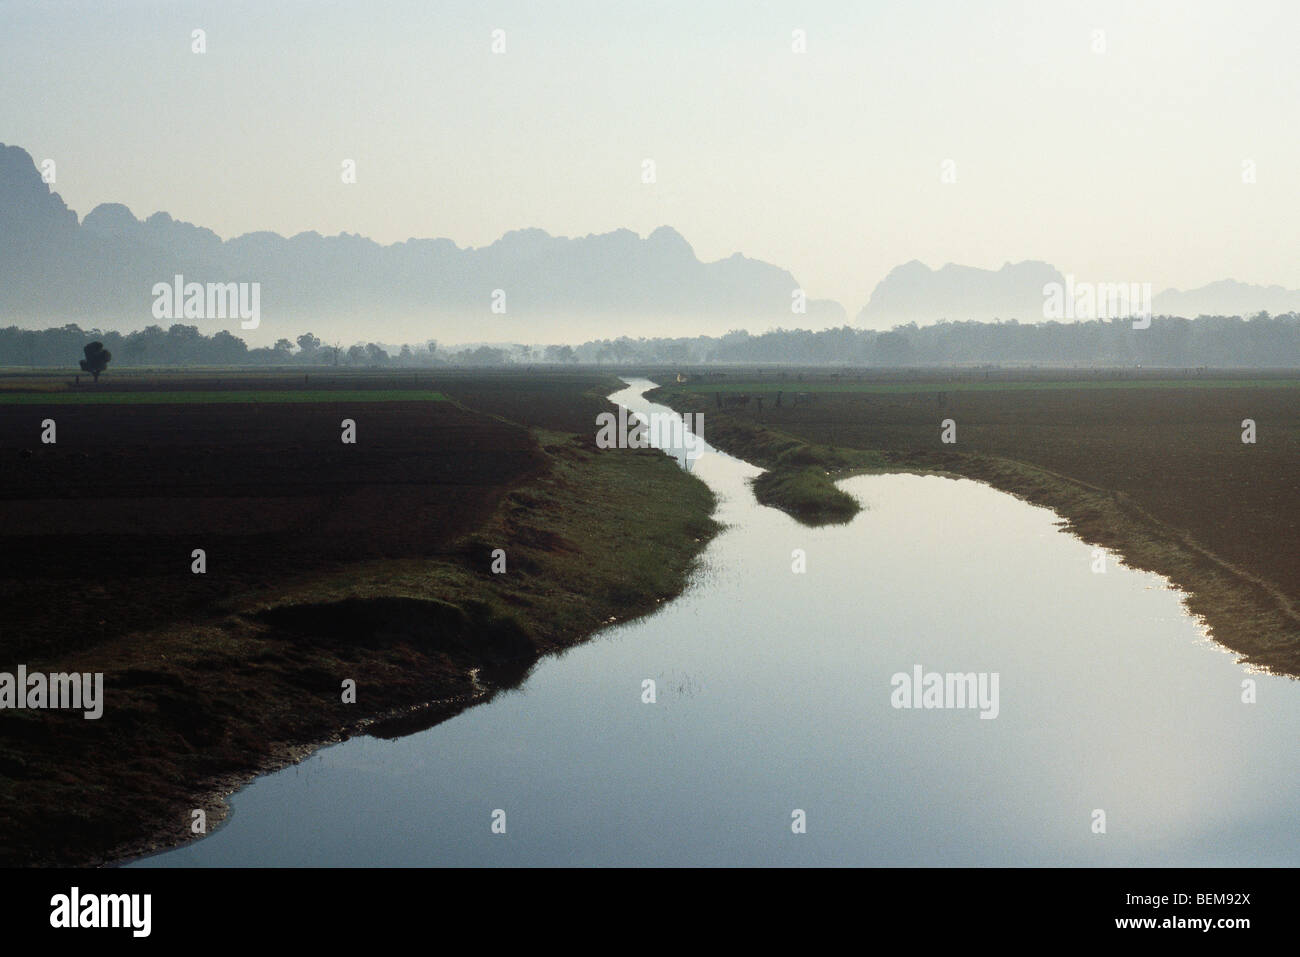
column 252, row 680
column 800, row 476
column 1154, row 471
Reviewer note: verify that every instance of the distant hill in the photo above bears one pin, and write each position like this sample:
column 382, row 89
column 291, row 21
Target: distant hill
column 913, row 292
column 916, row 293
column 101, row 272
column 1227, row 297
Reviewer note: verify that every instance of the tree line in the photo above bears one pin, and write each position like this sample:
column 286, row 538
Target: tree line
column 1260, row 341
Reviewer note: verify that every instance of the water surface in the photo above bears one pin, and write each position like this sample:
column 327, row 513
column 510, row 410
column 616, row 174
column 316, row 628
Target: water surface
column 773, row 694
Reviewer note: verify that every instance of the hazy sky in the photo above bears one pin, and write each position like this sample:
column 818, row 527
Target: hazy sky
column 1122, row 165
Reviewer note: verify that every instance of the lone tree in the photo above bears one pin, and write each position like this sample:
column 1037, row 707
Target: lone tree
column 97, row 359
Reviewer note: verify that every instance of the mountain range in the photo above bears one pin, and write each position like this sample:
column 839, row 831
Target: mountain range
column 528, row 286
column 913, row 292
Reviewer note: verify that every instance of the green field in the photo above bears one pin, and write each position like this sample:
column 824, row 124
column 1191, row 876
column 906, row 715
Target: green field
column 902, row 388
column 209, row 398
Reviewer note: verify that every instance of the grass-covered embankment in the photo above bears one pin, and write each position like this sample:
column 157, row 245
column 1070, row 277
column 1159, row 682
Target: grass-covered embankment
column 800, row 476
column 197, row 706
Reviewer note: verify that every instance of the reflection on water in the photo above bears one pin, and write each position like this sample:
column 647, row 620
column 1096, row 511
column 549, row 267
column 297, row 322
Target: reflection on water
column 679, row 435
column 772, row 694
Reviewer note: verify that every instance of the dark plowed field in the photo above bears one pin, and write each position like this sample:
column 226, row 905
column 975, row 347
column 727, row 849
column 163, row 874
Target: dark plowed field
column 102, row 524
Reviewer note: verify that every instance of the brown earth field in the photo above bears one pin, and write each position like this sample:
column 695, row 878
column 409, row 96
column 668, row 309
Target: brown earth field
column 1150, row 464
column 325, row 562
